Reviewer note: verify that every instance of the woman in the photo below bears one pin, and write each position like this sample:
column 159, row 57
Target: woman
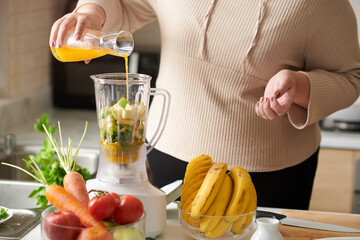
column 249, row 80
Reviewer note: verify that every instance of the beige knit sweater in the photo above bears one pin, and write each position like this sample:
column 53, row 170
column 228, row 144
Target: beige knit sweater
column 216, row 59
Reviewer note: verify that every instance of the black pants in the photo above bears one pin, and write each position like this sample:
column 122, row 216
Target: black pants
column 287, row 188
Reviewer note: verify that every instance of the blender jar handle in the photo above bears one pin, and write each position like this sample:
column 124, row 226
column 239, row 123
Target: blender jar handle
column 163, row 118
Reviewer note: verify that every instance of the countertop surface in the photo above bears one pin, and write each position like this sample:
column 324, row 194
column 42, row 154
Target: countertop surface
column 174, row 230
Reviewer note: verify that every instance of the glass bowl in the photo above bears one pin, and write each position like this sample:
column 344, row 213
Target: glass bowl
column 217, row 227
column 51, row 231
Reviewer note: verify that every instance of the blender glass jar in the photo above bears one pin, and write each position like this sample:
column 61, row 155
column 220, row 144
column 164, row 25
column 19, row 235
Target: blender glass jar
column 122, row 106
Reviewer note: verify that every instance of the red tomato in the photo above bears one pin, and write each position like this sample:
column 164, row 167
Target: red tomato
column 129, row 210
column 116, row 197
column 102, row 207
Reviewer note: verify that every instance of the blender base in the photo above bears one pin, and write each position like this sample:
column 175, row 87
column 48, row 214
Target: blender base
column 153, row 199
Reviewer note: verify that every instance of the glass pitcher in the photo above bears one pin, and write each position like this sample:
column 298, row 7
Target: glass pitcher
column 94, row 44
column 122, row 110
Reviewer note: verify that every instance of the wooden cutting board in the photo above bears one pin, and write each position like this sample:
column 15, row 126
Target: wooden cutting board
column 296, row 233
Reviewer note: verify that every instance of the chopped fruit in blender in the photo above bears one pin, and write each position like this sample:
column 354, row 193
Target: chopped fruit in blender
column 122, row 130
column 123, row 102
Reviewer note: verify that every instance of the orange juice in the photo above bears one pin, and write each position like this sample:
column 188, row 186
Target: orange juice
column 69, row 54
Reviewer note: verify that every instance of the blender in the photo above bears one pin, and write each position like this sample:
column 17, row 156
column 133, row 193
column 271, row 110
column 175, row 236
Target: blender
column 122, row 103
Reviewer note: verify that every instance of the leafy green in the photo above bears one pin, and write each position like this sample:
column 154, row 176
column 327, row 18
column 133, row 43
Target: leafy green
column 49, row 165
column 3, row 214
column 44, row 120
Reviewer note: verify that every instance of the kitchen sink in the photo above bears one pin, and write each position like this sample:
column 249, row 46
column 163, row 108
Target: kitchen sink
column 15, row 187
column 14, row 195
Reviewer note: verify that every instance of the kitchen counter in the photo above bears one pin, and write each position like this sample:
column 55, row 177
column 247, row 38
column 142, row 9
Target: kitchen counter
column 340, row 140
column 174, row 231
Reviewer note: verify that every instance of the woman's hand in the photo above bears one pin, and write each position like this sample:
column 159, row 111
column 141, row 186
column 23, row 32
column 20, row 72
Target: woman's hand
column 283, row 89
column 87, row 16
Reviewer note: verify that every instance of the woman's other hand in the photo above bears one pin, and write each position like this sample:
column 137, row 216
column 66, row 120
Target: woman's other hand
column 283, row 89
column 87, row 16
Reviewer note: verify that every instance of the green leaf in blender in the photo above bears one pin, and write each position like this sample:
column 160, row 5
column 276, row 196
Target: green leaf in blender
column 125, row 138
column 112, row 130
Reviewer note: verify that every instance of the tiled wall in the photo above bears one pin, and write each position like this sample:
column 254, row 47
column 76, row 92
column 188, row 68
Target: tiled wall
column 25, row 28
column 25, row 85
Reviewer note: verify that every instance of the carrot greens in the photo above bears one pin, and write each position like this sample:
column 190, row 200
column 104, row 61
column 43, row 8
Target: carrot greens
column 45, row 167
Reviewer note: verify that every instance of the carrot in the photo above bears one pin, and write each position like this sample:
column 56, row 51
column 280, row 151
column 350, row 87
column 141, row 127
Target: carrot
column 59, row 197
column 74, row 184
column 63, row 200
column 73, row 181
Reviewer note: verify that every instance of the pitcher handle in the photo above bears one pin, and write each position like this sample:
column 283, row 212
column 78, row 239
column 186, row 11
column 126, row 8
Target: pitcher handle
column 163, row 118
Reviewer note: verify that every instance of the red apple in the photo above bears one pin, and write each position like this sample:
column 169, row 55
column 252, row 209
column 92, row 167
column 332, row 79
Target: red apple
column 62, row 225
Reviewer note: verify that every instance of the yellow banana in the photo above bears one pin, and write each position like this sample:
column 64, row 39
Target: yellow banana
column 188, row 201
column 244, row 222
column 187, row 217
column 196, row 163
column 218, row 206
column 191, row 187
column 219, row 230
column 195, row 171
column 187, row 207
column 241, row 195
column 194, row 176
column 208, row 190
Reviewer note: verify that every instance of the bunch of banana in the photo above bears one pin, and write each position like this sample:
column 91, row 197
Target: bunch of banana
column 209, row 191
column 243, row 200
column 194, row 176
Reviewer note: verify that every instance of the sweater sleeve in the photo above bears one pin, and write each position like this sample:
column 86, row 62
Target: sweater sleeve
column 127, row 15
column 332, row 61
